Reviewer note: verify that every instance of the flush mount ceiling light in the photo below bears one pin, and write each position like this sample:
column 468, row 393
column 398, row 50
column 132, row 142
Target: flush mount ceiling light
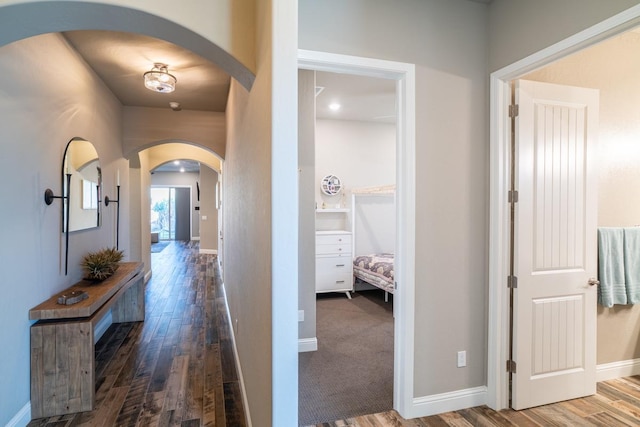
column 159, row 79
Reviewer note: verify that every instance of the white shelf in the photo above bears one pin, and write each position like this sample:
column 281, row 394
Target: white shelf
column 333, row 210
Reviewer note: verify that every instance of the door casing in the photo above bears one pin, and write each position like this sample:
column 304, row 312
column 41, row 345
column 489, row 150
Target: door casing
column 404, row 75
column 499, row 154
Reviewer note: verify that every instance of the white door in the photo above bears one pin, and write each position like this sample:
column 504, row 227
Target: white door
column 555, row 244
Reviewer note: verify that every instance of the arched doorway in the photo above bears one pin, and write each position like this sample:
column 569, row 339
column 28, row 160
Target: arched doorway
column 151, row 157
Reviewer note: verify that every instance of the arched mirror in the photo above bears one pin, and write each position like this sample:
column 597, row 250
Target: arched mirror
column 82, row 163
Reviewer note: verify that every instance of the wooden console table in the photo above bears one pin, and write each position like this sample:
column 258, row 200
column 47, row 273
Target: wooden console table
column 62, row 340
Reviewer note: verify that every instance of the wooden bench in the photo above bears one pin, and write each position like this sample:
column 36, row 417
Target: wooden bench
column 62, row 340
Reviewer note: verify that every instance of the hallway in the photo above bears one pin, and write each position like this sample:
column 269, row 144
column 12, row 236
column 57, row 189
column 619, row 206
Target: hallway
column 177, row 368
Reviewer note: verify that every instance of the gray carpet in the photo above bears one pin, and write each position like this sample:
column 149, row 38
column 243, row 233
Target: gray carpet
column 351, row 374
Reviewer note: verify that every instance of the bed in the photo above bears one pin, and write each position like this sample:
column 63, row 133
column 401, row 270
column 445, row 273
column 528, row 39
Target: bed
column 374, row 263
column 375, row 269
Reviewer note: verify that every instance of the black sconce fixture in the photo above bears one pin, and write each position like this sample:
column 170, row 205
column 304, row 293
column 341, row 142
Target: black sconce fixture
column 107, row 200
column 48, row 199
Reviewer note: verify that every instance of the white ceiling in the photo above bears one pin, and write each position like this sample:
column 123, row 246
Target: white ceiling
column 366, row 99
column 187, row 165
column 120, row 60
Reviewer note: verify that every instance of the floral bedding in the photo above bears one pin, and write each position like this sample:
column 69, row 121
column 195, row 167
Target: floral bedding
column 376, row 269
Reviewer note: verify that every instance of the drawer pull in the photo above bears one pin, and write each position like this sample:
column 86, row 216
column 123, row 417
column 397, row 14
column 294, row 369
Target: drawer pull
column 339, row 281
column 339, row 265
column 339, row 240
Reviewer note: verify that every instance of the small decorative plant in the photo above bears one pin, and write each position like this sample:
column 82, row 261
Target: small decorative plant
column 101, row 264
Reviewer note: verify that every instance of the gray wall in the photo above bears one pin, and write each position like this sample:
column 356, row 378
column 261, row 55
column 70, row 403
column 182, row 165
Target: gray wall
column 140, row 211
column 144, row 126
column 208, row 227
column 518, row 28
column 306, row 213
column 447, row 42
column 247, row 225
column 139, row 217
column 247, row 256
column 37, row 119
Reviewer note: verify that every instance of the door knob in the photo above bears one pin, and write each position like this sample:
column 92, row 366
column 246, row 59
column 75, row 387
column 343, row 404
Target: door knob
column 593, row 281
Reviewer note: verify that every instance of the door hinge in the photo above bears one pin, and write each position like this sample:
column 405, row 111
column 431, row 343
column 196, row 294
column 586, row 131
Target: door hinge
column 512, row 196
column 512, row 282
column 511, row 366
column 514, row 110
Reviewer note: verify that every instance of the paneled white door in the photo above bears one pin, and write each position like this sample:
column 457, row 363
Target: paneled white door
column 555, row 244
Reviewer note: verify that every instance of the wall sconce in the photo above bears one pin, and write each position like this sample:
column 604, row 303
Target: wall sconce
column 48, row 199
column 107, row 201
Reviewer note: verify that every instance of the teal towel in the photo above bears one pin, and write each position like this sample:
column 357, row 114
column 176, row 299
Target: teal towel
column 632, row 264
column 612, row 289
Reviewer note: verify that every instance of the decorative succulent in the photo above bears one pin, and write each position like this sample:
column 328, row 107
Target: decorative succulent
column 101, row 264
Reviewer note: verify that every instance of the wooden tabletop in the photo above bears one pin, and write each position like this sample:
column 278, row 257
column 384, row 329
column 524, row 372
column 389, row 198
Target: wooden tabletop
column 99, row 293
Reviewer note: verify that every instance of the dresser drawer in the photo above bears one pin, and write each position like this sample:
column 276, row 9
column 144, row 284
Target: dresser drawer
column 333, row 239
column 334, row 274
column 334, row 265
column 333, row 249
column 335, row 284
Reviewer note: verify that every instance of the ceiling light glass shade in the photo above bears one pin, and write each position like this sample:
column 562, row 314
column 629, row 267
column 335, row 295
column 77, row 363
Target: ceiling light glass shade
column 159, row 79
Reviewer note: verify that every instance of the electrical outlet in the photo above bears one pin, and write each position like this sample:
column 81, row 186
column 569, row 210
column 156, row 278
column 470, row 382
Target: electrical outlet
column 462, row 359
column 300, row 315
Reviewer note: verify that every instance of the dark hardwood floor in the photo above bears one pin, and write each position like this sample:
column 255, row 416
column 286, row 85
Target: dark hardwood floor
column 617, row 403
column 177, row 368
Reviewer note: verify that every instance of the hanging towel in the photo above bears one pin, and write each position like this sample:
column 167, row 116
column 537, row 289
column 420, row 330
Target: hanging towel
column 632, row 263
column 612, row 289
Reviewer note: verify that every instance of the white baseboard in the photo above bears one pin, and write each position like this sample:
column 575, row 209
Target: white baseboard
column 147, row 276
column 445, row 402
column 209, row 251
column 461, row 399
column 196, row 238
column 243, row 389
column 22, row 418
column 623, row 368
column 307, row 344
column 102, row 326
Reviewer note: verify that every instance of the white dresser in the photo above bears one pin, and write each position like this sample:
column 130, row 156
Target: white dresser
column 334, row 268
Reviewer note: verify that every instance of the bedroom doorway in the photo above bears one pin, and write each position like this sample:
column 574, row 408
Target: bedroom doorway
column 404, row 80
column 354, row 237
